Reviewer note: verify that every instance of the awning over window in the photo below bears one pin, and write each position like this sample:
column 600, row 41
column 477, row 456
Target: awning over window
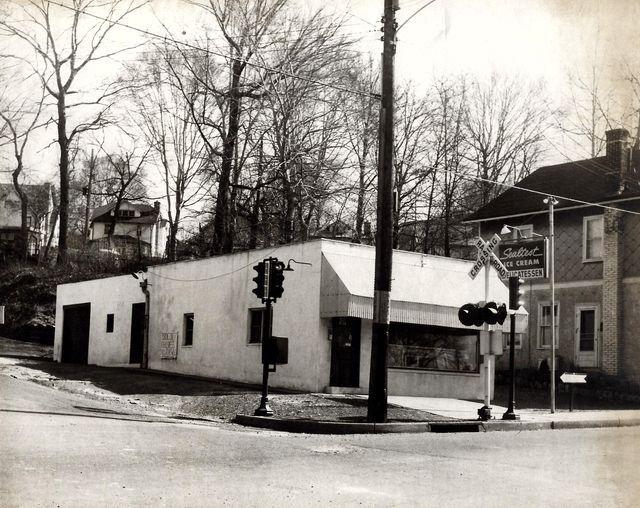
column 425, row 289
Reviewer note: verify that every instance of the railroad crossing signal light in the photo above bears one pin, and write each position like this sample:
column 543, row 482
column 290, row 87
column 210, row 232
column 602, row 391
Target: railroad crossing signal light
column 472, row 314
column 494, row 313
column 259, row 280
column 515, row 293
column 276, row 280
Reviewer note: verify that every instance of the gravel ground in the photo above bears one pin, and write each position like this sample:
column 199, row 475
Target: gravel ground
column 180, row 395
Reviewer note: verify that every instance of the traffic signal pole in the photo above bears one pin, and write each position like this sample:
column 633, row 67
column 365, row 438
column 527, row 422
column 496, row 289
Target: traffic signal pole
column 377, row 403
column 485, row 411
column 263, row 408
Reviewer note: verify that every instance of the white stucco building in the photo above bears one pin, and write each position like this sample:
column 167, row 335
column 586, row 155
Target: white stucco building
column 204, row 320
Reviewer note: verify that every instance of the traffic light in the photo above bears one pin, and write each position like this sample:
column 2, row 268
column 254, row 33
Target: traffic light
column 259, row 280
column 277, row 278
column 472, row 314
column 515, row 293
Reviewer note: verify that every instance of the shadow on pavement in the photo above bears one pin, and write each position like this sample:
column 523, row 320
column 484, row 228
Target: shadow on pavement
column 125, row 381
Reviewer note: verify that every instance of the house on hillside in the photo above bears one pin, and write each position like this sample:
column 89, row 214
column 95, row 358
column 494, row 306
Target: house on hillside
column 597, row 259
column 137, row 230
column 204, row 320
column 39, row 216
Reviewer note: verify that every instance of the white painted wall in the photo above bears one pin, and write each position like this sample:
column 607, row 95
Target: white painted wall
column 218, row 292
column 113, row 295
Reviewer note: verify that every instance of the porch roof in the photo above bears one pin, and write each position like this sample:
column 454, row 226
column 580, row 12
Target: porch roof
column 424, row 290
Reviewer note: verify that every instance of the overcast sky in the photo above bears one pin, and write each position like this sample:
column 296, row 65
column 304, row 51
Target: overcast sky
column 535, row 39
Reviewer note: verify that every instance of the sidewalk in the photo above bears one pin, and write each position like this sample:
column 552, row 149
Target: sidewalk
column 457, row 416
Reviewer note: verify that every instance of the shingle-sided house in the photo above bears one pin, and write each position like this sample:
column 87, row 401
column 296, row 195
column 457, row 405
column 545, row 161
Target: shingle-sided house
column 136, row 230
column 39, row 216
column 597, row 259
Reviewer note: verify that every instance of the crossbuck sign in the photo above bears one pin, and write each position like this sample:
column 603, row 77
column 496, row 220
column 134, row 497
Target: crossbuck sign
column 485, row 252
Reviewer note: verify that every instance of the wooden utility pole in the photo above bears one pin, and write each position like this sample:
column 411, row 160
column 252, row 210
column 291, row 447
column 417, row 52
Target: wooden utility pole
column 377, row 405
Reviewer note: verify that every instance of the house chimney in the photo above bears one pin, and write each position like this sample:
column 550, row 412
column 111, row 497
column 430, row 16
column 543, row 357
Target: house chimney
column 618, row 151
column 156, row 205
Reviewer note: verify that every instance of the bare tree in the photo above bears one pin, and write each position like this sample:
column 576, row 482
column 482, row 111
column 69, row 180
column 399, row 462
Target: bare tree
column 19, row 120
column 122, row 180
column 505, row 123
column 162, row 114
column 63, row 47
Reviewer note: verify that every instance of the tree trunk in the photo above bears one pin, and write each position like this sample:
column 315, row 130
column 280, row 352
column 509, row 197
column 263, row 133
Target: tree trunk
column 63, row 143
column 23, row 242
column 222, row 239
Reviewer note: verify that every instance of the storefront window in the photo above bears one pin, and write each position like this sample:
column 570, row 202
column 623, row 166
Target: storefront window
column 432, row 348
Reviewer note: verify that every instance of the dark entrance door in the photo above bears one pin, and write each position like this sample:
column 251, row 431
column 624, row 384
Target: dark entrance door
column 75, row 333
column 137, row 332
column 345, row 352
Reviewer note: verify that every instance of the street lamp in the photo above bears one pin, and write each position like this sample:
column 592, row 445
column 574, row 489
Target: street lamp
column 506, row 229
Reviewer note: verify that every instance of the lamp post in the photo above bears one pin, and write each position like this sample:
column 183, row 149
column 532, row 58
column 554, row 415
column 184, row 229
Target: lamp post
column 551, row 201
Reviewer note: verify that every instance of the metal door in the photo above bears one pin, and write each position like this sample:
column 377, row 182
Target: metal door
column 75, row 333
column 587, row 335
column 345, row 352
column 137, row 332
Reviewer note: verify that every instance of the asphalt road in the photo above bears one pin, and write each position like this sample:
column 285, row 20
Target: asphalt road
column 61, row 450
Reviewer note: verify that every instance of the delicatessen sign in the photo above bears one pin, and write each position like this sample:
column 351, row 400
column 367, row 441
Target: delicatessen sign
column 525, row 258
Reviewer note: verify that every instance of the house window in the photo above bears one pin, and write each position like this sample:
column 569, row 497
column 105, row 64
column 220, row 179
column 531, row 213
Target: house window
column 126, row 213
column 506, row 340
column 109, row 323
column 592, row 238
column 544, row 324
column 432, row 348
column 29, row 221
column 256, row 325
column 187, row 328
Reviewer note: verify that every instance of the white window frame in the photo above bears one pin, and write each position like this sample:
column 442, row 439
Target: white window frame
column 539, row 324
column 585, row 222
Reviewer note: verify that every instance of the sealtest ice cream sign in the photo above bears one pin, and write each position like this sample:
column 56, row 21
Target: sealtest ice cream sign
column 526, row 258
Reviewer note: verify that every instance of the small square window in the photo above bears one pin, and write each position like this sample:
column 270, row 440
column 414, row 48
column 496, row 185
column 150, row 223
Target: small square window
column 109, row 323
column 188, row 330
column 256, row 325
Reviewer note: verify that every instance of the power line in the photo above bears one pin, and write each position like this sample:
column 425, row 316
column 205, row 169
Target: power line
column 213, row 276
column 540, row 193
column 222, row 55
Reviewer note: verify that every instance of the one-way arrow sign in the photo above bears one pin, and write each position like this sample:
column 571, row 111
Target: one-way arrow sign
column 573, row 377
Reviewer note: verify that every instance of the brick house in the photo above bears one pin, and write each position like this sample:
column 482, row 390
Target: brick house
column 597, row 260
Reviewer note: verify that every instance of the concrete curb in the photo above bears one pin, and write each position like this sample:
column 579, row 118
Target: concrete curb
column 448, row 426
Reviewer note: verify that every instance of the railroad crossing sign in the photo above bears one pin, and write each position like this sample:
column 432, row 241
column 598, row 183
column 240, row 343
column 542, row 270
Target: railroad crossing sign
column 485, row 252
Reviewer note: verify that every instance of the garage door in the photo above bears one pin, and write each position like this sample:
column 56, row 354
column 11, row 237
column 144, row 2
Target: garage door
column 75, row 333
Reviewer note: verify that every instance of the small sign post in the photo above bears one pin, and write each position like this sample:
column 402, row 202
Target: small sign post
column 572, row 378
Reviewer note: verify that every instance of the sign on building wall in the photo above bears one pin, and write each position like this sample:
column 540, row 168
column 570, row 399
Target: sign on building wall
column 525, row 258
column 169, row 346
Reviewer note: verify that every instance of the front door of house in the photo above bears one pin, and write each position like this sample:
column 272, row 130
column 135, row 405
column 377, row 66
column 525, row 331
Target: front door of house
column 587, row 334
column 345, row 352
